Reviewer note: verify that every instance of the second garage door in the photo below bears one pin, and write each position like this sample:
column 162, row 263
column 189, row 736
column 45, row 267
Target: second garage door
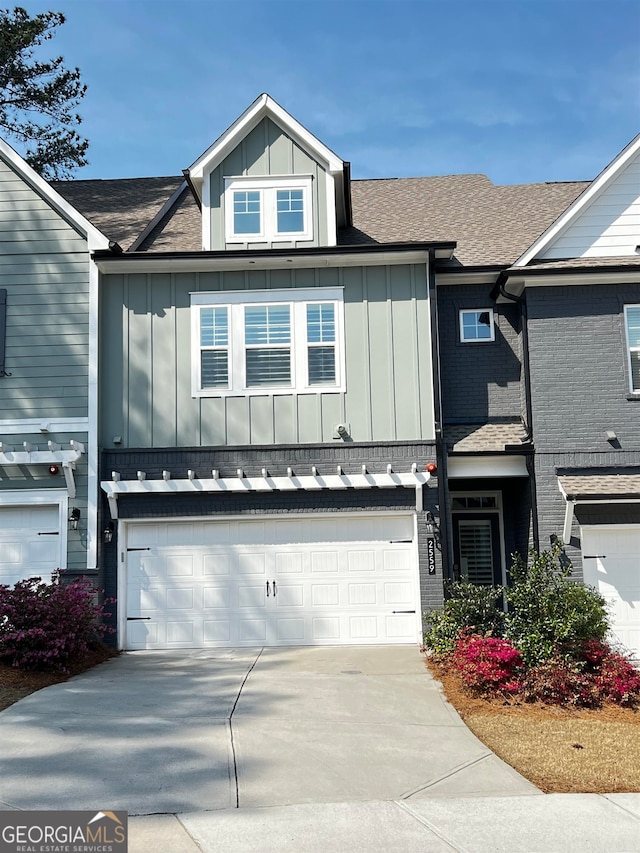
column 278, row 581
column 611, row 558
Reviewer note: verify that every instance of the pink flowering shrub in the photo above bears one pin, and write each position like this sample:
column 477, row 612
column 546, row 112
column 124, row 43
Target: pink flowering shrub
column 49, row 625
column 487, row 664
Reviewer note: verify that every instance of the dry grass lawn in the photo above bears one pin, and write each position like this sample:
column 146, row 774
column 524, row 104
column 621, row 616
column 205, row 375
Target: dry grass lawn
column 561, row 750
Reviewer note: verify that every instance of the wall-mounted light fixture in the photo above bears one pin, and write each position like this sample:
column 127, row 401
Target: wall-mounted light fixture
column 107, row 533
column 74, row 518
column 433, row 528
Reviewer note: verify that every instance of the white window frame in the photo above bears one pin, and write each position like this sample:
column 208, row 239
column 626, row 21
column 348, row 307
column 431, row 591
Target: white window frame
column 492, row 329
column 268, row 187
column 235, row 302
column 630, row 349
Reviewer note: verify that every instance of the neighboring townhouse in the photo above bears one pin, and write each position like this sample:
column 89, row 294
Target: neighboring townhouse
column 320, row 397
column 48, row 379
column 579, row 289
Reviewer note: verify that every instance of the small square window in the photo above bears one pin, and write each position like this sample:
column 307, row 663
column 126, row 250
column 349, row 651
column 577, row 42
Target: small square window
column 476, row 325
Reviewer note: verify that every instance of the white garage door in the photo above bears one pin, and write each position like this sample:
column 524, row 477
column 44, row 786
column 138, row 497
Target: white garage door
column 29, row 542
column 611, row 557
column 285, row 581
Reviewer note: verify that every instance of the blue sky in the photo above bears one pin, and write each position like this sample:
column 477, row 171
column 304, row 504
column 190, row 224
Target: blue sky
column 522, row 90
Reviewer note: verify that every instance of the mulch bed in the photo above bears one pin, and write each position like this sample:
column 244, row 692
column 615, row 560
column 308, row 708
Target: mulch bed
column 15, row 683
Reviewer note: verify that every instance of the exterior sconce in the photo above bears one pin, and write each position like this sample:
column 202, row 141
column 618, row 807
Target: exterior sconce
column 107, row 533
column 432, row 525
column 431, row 467
column 74, row 518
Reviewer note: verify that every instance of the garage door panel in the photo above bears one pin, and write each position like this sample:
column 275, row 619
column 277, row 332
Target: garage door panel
column 324, row 561
column 252, row 596
column 216, row 597
column 361, row 561
column 291, row 630
column 614, row 570
column 319, row 592
column 325, row 629
column 289, row 563
column 252, row 631
column 252, row 563
column 30, row 543
column 325, row 595
column 216, row 632
column 290, row 595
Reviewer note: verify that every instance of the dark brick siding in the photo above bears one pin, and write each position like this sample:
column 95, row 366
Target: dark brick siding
column 579, row 387
column 479, row 381
column 350, row 456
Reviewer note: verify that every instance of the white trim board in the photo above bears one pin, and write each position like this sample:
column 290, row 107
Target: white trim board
column 584, row 199
column 96, row 239
column 19, row 426
column 500, row 465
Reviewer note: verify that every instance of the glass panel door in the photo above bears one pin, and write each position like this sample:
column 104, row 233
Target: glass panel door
column 475, row 543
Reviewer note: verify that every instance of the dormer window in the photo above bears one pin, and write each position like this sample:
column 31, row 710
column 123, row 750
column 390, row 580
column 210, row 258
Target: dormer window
column 268, row 210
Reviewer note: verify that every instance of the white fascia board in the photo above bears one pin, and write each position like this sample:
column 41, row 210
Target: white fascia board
column 42, row 426
column 579, row 277
column 263, row 106
column 584, row 199
column 500, row 465
column 292, row 261
column 96, row 239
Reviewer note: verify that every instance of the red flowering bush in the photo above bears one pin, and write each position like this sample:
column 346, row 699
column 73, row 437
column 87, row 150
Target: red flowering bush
column 617, row 680
column 559, row 681
column 49, row 625
column 487, row 664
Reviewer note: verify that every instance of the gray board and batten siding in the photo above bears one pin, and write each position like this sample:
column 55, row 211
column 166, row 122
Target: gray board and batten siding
column 146, row 354
column 44, row 267
column 267, row 150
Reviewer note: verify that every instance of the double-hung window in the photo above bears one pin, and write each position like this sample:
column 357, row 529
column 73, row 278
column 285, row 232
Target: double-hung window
column 632, row 326
column 268, row 209
column 268, row 342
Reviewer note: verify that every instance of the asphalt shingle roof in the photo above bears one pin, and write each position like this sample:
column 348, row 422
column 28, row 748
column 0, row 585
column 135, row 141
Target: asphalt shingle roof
column 601, row 483
column 491, row 437
column 493, row 225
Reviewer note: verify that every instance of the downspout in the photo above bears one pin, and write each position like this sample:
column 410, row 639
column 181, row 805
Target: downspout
column 441, row 449
column 530, row 459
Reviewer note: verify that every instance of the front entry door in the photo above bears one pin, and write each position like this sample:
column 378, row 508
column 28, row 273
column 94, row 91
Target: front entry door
column 476, row 548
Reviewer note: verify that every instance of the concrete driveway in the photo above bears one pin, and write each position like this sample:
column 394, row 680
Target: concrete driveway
column 169, row 732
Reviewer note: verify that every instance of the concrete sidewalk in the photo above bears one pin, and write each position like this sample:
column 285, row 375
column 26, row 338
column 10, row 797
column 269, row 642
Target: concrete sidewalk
column 556, row 823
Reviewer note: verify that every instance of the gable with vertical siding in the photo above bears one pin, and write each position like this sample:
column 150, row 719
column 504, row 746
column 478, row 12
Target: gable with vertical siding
column 268, row 150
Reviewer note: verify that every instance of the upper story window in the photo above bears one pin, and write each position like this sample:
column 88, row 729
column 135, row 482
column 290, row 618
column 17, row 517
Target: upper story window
column 632, row 325
column 267, row 342
column 268, row 209
column 476, row 325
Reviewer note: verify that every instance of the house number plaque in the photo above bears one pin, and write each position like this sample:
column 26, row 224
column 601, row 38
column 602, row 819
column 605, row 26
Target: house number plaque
column 431, row 555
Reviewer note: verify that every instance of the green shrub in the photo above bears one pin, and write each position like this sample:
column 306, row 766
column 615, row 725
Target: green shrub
column 551, row 616
column 467, row 607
